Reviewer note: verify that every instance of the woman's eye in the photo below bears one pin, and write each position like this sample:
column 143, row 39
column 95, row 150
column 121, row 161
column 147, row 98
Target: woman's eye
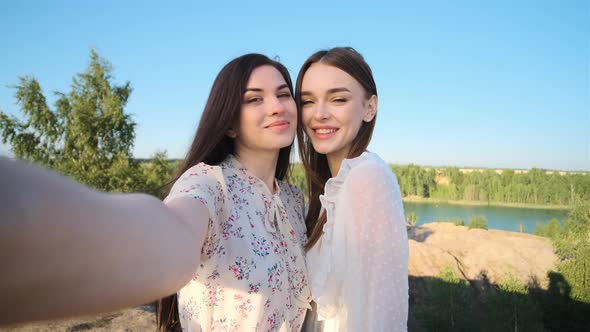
column 306, row 102
column 254, row 100
column 339, row 100
column 284, row 95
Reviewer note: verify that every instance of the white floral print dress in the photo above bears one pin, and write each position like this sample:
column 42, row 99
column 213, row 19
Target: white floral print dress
column 252, row 275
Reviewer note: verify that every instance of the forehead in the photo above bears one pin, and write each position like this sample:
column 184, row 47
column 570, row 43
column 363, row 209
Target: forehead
column 265, row 76
column 320, row 77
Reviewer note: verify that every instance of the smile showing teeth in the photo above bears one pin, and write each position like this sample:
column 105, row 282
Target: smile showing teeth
column 325, row 131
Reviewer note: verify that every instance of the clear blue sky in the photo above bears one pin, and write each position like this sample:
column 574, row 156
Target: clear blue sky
column 461, row 83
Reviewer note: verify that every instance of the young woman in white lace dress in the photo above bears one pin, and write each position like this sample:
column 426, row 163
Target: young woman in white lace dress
column 227, row 241
column 358, row 248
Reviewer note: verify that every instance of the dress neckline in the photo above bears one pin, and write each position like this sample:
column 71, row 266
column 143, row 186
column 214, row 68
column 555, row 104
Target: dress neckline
column 233, row 162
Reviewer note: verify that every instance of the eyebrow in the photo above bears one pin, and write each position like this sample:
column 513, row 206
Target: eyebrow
column 330, row 91
column 280, row 87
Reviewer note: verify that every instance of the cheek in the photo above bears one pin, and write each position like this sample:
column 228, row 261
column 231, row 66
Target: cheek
column 248, row 120
column 352, row 121
column 244, row 119
column 291, row 109
column 306, row 115
column 357, row 123
column 356, row 115
column 304, row 121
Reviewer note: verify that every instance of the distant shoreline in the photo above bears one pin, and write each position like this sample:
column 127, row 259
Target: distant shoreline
column 415, row 199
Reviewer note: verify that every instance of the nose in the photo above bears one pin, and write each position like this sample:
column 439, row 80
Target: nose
column 276, row 106
column 320, row 111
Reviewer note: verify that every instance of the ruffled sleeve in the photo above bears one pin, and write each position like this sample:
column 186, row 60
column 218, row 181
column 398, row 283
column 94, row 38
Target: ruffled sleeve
column 375, row 287
column 327, row 260
column 324, row 267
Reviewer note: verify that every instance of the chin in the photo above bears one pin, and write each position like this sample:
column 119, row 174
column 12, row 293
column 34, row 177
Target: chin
column 322, row 149
column 283, row 144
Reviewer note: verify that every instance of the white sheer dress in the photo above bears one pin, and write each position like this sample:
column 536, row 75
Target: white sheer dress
column 359, row 268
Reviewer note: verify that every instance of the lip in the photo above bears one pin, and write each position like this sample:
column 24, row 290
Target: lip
column 279, row 125
column 324, row 135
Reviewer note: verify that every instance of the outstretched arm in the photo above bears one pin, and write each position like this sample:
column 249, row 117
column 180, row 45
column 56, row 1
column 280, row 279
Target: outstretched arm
column 68, row 250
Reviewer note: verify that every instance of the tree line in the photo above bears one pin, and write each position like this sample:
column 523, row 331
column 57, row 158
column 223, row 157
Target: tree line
column 535, row 186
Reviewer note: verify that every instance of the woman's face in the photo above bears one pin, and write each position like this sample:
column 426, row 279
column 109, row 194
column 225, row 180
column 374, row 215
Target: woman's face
column 268, row 119
column 333, row 108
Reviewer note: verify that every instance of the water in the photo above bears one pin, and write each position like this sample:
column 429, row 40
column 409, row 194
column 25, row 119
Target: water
column 504, row 218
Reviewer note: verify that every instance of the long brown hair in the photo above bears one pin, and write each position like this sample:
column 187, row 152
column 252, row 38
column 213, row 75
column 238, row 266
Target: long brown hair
column 315, row 164
column 211, row 145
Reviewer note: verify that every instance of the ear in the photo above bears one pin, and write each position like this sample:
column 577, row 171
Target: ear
column 371, row 109
column 231, row 133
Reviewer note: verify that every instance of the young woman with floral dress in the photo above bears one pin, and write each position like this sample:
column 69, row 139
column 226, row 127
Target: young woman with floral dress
column 227, row 241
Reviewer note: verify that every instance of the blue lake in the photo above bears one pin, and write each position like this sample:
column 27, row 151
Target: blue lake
column 504, row 218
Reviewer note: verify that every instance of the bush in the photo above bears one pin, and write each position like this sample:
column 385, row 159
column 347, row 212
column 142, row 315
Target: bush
column 478, row 222
column 513, row 309
column 448, row 305
column 411, row 219
column 458, row 221
column 297, row 177
column 551, row 230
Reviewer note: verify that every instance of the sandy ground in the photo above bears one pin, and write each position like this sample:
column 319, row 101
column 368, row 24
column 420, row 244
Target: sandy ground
column 472, row 253
column 134, row 319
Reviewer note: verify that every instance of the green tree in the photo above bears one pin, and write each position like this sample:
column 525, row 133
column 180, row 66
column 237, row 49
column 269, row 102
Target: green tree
column 469, row 194
column 157, row 173
column 573, row 248
column 88, row 136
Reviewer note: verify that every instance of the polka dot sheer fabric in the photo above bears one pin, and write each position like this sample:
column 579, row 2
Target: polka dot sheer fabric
column 359, row 268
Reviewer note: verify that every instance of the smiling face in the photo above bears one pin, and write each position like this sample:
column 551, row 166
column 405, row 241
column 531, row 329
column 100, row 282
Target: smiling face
column 334, row 105
column 268, row 117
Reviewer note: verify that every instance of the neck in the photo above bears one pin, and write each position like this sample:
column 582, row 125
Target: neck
column 262, row 165
column 334, row 162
